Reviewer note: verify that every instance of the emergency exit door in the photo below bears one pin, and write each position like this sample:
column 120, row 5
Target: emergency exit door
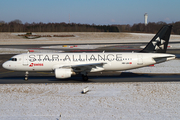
column 140, row 60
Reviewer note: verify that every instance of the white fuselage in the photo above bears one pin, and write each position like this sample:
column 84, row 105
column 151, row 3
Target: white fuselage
column 114, row 61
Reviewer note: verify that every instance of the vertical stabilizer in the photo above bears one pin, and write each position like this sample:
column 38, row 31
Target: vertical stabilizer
column 160, row 41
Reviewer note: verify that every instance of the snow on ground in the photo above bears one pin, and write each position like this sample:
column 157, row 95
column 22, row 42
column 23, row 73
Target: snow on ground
column 171, row 46
column 81, row 37
column 19, row 51
column 12, row 51
column 78, row 46
column 104, row 101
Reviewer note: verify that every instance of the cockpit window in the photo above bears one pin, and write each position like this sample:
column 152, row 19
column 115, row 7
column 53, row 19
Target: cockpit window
column 13, row 59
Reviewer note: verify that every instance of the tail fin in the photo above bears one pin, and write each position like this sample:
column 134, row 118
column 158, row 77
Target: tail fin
column 160, row 41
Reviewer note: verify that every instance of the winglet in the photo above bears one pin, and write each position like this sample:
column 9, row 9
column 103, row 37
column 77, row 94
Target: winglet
column 159, row 42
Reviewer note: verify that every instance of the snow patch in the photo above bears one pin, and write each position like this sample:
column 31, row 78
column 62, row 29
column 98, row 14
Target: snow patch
column 19, row 51
column 104, row 101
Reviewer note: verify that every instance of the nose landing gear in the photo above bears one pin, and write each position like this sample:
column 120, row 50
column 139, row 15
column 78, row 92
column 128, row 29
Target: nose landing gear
column 26, row 76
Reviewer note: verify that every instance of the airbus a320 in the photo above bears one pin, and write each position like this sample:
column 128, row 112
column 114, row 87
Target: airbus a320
column 64, row 65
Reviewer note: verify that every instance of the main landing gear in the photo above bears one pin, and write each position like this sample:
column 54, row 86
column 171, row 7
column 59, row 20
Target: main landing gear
column 26, row 76
column 85, row 77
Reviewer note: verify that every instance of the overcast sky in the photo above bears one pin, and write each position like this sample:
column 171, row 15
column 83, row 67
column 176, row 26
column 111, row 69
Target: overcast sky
column 99, row 12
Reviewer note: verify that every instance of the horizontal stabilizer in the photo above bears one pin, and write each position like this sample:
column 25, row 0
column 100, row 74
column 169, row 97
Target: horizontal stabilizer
column 163, row 59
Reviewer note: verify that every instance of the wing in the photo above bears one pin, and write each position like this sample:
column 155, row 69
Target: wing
column 90, row 67
column 86, row 67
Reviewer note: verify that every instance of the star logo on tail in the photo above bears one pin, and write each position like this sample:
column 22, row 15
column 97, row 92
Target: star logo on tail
column 158, row 43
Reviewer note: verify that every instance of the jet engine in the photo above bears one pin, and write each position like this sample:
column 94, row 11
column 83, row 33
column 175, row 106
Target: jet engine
column 63, row 73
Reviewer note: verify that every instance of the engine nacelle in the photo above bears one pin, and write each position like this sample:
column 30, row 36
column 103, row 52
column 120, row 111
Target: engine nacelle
column 63, row 73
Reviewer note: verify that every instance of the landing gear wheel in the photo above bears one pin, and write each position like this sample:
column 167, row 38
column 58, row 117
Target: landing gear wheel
column 85, row 77
column 26, row 78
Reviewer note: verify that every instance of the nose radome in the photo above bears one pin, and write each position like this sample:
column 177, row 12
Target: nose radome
column 4, row 65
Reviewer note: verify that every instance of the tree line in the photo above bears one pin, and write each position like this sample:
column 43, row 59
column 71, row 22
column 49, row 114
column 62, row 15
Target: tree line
column 151, row 27
column 18, row 26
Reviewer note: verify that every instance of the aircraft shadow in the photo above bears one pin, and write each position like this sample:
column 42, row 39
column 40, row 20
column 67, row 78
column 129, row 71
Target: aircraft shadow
column 123, row 77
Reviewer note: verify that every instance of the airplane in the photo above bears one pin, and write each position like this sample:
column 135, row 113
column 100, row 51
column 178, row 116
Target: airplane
column 64, row 65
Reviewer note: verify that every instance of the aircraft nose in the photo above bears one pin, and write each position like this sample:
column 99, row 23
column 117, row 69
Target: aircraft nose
column 4, row 65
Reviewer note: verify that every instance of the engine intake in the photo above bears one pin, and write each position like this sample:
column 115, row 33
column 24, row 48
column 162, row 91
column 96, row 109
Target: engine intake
column 63, row 73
